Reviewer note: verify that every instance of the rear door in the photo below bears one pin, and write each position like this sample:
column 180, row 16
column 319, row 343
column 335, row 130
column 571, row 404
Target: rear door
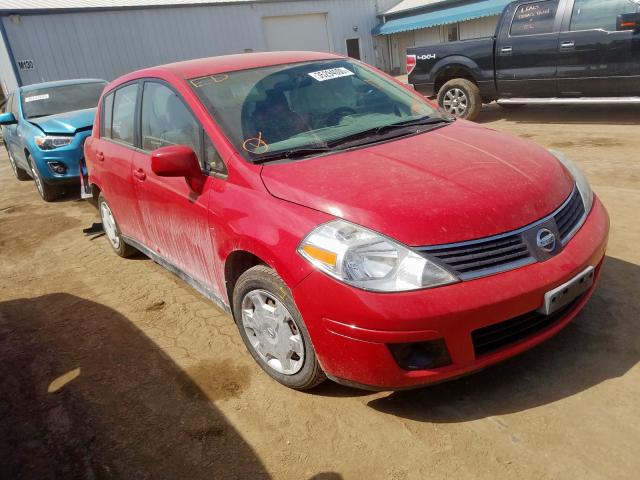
column 595, row 59
column 113, row 154
column 176, row 219
column 527, row 50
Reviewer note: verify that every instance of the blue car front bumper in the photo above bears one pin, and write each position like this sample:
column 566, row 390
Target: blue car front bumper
column 61, row 166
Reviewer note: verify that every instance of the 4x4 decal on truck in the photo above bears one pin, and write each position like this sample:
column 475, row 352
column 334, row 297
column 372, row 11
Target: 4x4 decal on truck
column 428, row 56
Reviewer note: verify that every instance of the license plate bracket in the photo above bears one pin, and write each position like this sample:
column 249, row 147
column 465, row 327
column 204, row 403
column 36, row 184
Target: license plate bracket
column 567, row 292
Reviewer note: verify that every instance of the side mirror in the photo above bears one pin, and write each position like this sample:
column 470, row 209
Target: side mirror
column 628, row 21
column 178, row 161
column 7, row 118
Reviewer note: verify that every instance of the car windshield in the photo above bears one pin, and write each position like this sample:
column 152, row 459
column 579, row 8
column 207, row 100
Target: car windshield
column 65, row 98
column 282, row 108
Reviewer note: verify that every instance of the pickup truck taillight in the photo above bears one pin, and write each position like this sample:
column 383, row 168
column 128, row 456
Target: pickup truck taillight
column 411, row 63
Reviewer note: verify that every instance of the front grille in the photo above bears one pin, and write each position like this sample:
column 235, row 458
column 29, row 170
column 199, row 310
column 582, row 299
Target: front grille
column 483, row 257
column 500, row 335
column 568, row 217
column 500, row 253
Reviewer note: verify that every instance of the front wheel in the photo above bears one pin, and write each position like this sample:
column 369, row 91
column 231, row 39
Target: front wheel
column 48, row 192
column 273, row 330
column 460, row 97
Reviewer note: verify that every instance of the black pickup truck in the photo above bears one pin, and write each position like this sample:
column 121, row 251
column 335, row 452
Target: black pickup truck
column 544, row 51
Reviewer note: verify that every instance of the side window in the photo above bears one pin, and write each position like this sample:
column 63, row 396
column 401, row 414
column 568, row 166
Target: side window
column 124, row 108
column 166, row 120
column 534, row 18
column 212, row 159
column 107, row 115
column 596, row 14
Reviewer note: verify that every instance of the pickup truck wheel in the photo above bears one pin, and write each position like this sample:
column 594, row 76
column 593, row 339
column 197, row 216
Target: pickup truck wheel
column 460, row 97
column 273, row 331
column 20, row 173
column 112, row 231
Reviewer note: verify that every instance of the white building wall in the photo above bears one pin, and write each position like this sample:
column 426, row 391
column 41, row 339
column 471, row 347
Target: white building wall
column 8, row 80
column 107, row 44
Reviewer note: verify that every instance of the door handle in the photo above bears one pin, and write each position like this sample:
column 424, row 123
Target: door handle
column 140, row 175
column 506, row 50
column 567, row 45
column 100, row 156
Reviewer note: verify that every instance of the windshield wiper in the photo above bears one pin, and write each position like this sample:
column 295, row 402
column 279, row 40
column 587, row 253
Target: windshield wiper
column 409, row 124
column 292, row 153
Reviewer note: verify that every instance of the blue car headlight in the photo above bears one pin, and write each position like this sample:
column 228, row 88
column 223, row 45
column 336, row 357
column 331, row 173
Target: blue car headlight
column 50, row 142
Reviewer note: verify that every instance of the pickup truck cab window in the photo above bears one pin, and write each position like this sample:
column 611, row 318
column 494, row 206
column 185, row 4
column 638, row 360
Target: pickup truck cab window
column 534, row 18
column 600, row 14
column 124, row 106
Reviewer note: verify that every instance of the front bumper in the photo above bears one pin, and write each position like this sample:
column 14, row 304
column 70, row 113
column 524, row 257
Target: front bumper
column 351, row 328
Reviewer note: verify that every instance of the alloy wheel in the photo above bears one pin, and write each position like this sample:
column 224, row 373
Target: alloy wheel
column 14, row 167
column 109, row 225
column 37, row 180
column 456, row 102
column 272, row 332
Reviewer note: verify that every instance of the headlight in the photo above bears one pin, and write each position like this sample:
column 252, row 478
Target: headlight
column 49, row 142
column 368, row 260
column 581, row 181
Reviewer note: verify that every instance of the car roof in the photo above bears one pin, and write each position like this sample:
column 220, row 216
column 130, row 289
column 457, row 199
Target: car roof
column 229, row 63
column 60, row 83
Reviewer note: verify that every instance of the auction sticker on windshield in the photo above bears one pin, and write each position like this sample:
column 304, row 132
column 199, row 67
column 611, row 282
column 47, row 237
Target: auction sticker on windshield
column 331, row 73
column 36, row 97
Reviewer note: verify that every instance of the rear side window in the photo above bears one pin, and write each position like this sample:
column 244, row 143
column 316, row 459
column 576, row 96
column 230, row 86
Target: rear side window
column 600, row 14
column 534, row 18
column 124, row 109
column 107, row 115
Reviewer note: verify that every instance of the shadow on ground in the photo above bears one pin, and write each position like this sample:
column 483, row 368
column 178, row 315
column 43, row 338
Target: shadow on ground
column 599, row 345
column 563, row 114
column 85, row 394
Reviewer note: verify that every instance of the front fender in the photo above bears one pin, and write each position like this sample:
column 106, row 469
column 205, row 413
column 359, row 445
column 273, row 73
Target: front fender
column 271, row 231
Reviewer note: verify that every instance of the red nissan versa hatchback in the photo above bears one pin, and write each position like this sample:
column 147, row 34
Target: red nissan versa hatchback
column 353, row 230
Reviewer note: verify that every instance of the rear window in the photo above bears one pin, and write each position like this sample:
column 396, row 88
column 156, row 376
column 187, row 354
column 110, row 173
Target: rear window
column 43, row 102
column 534, row 18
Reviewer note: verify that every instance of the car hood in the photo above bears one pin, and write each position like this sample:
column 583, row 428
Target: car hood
column 457, row 183
column 66, row 123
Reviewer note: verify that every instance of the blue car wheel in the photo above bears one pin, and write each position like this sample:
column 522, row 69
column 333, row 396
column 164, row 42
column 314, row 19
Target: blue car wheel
column 46, row 191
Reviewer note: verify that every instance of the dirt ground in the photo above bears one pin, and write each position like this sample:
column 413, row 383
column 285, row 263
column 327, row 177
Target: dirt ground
column 113, row 368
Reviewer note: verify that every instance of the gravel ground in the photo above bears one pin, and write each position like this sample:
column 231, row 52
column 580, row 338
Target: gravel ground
column 113, row 368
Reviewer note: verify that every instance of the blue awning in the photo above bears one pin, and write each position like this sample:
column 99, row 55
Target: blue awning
column 444, row 16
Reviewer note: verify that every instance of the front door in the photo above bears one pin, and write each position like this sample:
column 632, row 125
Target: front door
column 175, row 217
column 527, row 50
column 596, row 60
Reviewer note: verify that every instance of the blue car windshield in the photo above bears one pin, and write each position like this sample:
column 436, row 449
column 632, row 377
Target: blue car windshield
column 65, row 98
column 304, row 105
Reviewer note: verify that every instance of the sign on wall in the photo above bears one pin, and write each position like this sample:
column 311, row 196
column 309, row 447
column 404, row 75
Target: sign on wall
column 25, row 65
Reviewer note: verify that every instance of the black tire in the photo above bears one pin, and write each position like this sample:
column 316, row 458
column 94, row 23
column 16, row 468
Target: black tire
column 263, row 278
column 20, row 173
column 122, row 248
column 466, row 93
column 48, row 192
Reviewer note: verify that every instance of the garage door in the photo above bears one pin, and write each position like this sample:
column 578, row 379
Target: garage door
column 297, row 32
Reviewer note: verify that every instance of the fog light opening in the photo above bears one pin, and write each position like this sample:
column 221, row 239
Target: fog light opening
column 57, row 168
column 421, row 355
